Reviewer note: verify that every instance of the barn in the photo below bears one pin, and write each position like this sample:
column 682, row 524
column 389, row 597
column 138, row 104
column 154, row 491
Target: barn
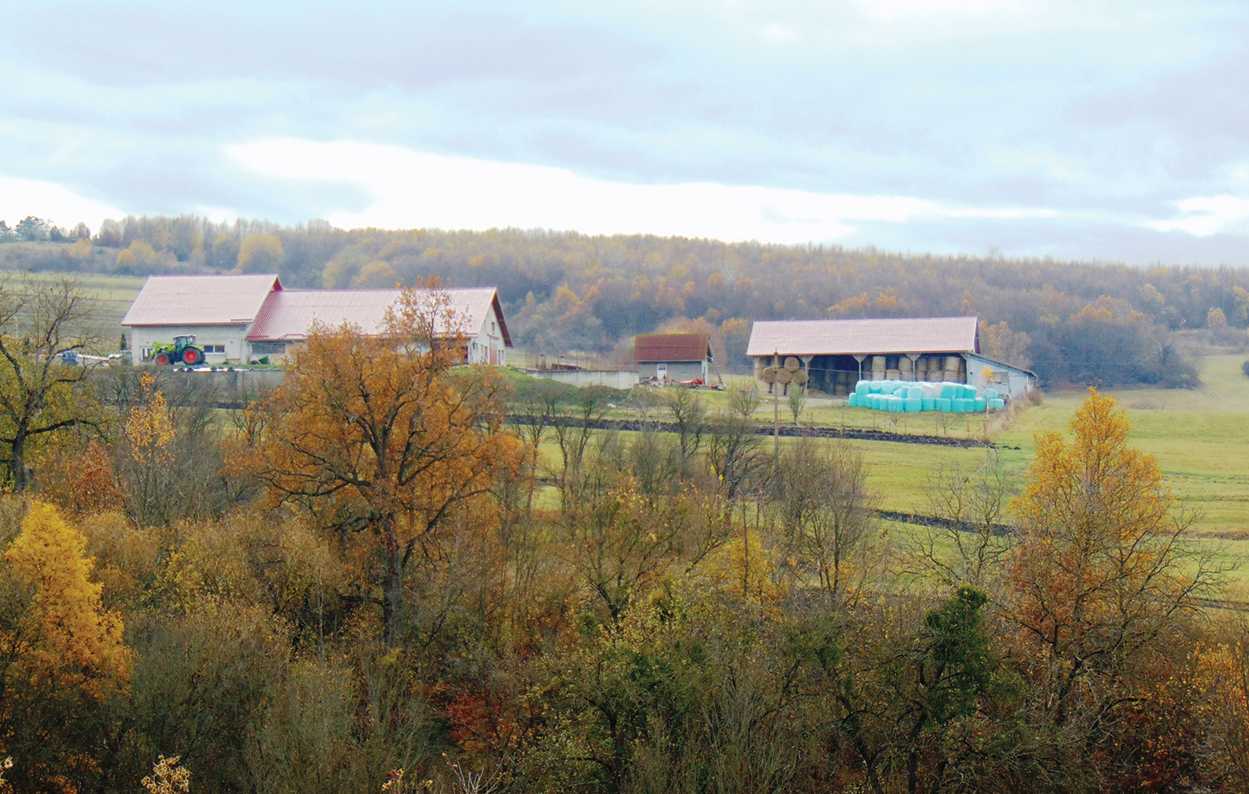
column 679, row 357
column 836, row 354
column 242, row 318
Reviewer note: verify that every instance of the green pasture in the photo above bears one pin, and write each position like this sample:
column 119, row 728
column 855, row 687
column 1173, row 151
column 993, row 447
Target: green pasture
column 111, row 296
column 1200, row 439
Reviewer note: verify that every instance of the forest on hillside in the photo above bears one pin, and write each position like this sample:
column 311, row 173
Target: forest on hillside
column 368, row 582
column 564, row 292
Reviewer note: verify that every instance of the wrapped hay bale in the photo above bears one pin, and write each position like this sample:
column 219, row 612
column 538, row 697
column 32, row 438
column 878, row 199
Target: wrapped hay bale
column 943, row 405
column 913, row 405
column 928, row 404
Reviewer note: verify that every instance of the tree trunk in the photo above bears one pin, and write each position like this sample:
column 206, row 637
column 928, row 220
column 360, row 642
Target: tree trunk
column 17, row 466
column 392, row 597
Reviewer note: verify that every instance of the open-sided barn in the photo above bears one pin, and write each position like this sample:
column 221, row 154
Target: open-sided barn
column 240, row 318
column 836, row 354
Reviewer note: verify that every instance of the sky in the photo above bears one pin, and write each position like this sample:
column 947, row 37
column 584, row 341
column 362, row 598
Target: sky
column 1115, row 131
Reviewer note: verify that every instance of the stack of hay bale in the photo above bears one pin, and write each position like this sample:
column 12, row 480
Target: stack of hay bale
column 912, row 396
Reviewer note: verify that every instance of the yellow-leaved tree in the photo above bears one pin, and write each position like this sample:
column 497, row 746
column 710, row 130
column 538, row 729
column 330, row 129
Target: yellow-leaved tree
column 1102, row 576
column 72, row 637
column 61, row 652
column 385, row 437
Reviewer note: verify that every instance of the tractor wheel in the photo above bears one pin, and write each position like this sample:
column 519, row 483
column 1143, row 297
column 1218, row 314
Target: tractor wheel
column 162, row 358
column 191, row 356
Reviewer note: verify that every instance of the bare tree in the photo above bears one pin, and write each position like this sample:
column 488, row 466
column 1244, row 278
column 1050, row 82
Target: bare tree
column 969, row 543
column 40, row 394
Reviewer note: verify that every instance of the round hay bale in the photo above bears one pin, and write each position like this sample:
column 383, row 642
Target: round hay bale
column 800, row 378
column 792, row 364
column 784, row 376
column 953, row 362
column 768, row 375
column 878, row 362
column 893, row 374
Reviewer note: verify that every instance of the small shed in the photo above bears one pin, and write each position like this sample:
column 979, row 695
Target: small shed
column 679, row 357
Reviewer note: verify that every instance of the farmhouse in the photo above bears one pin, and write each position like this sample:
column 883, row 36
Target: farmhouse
column 242, row 318
column 679, row 357
column 836, row 354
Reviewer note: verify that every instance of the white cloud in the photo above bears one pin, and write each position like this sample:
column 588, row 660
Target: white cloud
column 50, row 201
column 1206, row 215
column 411, row 188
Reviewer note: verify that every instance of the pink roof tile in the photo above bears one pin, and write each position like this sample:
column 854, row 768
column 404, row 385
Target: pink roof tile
column 290, row 314
column 848, row 337
column 201, row 300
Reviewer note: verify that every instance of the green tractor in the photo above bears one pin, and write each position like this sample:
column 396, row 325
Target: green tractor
column 182, row 351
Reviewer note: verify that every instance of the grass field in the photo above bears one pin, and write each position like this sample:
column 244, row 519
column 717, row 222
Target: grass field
column 112, row 296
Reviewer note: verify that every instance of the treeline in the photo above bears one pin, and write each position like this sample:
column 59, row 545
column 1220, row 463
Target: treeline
column 563, row 292
column 367, row 581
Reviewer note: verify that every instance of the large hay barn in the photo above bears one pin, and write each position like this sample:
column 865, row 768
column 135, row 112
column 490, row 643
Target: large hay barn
column 836, row 354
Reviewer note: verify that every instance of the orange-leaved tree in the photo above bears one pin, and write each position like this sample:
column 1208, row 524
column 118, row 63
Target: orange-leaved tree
column 385, row 436
column 1102, row 574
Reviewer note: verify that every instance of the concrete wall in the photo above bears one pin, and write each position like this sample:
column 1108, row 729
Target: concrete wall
column 581, row 378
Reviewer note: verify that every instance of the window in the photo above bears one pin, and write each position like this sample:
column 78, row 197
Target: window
column 214, row 348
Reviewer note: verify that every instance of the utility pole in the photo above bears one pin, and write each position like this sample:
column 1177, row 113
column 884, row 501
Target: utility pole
column 776, row 411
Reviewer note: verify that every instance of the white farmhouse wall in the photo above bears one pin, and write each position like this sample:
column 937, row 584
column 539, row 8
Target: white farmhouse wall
column 233, row 337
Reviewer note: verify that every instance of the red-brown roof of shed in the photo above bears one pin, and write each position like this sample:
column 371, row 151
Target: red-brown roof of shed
column 656, row 348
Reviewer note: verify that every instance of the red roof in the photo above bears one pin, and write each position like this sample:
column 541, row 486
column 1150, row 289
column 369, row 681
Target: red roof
column 290, row 314
column 658, row 348
column 201, row 300
column 864, row 337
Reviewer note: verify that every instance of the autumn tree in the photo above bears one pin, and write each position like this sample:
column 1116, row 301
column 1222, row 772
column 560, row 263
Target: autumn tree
column 260, row 253
column 382, row 435
column 1103, row 575
column 61, row 652
column 39, row 394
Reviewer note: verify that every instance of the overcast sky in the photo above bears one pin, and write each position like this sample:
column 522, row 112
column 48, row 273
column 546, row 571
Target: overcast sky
column 1116, row 130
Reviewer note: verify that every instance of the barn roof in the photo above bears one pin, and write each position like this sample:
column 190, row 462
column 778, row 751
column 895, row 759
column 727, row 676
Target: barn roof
column 290, row 314
column 201, row 300
column 850, row 337
column 656, row 348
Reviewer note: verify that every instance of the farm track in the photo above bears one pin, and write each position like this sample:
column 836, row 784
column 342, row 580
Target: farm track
column 849, row 433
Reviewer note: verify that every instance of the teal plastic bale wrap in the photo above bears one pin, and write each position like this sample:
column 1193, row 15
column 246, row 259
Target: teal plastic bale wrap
column 873, row 386
column 990, row 393
column 913, row 405
column 959, row 404
column 915, row 392
column 928, row 404
column 854, row 399
column 948, row 391
column 862, row 387
column 979, row 404
column 969, row 392
column 997, row 404
column 943, row 405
